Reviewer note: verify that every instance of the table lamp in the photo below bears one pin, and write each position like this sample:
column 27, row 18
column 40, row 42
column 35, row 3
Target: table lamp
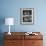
column 9, row 21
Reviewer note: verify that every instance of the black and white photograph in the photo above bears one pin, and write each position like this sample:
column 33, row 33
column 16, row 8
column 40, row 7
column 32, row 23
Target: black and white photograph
column 26, row 15
column 27, row 12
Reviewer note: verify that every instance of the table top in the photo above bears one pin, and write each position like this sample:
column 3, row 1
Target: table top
column 22, row 35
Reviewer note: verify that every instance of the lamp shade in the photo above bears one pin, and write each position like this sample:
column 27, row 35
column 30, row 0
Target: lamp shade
column 9, row 21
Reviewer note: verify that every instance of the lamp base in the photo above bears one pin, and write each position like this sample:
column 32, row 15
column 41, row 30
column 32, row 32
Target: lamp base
column 9, row 33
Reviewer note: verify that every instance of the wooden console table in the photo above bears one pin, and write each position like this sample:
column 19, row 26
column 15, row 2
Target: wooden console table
column 20, row 39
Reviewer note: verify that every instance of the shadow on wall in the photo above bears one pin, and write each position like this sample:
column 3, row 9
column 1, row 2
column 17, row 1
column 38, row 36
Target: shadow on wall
column 2, row 21
column 1, row 39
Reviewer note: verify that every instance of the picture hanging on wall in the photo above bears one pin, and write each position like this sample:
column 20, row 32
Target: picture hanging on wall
column 26, row 15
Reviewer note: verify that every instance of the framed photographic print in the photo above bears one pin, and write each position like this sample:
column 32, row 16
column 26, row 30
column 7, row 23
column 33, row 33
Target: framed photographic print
column 26, row 15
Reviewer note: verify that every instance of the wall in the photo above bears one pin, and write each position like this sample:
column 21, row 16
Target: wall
column 11, row 8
